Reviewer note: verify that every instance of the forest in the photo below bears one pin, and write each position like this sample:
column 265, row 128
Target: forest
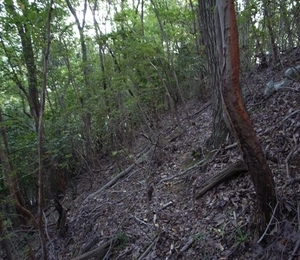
column 149, row 129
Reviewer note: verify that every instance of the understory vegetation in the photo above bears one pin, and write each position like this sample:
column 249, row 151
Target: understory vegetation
column 107, row 126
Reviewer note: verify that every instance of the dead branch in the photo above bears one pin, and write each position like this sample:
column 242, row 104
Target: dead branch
column 123, row 173
column 89, row 245
column 110, row 183
column 143, row 255
column 98, row 253
column 186, row 247
column 227, row 173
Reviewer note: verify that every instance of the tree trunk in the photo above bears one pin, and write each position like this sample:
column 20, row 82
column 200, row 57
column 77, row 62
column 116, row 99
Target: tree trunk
column 286, row 33
column 208, row 34
column 87, row 116
column 12, row 180
column 170, row 61
column 268, row 18
column 10, row 175
column 28, row 56
column 240, row 122
column 41, row 137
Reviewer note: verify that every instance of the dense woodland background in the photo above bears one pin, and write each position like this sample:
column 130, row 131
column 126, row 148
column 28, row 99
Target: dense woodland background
column 84, row 84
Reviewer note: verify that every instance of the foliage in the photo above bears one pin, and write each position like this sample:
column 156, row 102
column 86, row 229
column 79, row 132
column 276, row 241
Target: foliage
column 126, row 81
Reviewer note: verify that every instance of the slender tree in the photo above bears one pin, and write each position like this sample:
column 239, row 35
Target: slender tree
column 87, row 116
column 11, row 177
column 41, row 134
column 234, row 108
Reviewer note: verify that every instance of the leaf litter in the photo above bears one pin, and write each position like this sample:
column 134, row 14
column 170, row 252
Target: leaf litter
column 152, row 210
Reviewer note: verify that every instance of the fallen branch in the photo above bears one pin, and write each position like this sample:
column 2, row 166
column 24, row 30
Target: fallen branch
column 227, row 173
column 186, row 247
column 110, row 183
column 98, row 253
column 119, row 176
column 90, row 244
column 143, row 255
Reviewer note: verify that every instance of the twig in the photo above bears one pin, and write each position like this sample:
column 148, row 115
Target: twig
column 166, row 205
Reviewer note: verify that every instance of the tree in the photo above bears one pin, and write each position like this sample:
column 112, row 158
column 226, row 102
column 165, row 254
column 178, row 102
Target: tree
column 209, row 38
column 25, row 34
column 236, row 113
column 87, row 116
column 41, row 133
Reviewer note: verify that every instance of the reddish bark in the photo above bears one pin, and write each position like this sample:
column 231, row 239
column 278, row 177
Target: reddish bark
column 237, row 114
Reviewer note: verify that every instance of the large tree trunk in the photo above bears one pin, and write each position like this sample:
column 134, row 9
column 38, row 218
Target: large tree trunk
column 208, row 34
column 237, row 114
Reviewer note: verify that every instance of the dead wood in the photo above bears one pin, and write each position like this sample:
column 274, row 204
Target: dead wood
column 89, row 245
column 142, row 157
column 232, row 170
column 98, row 253
column 111, row 182
column 146, row 252
column 186, row 247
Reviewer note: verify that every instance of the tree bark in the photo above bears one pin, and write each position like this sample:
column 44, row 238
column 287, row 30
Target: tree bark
column 209, row 38
column 237, row 114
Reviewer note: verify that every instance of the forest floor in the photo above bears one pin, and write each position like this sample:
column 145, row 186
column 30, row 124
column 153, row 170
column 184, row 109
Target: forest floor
column 150, row 211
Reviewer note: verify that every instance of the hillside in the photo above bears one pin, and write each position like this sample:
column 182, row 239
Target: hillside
column 150, row 210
